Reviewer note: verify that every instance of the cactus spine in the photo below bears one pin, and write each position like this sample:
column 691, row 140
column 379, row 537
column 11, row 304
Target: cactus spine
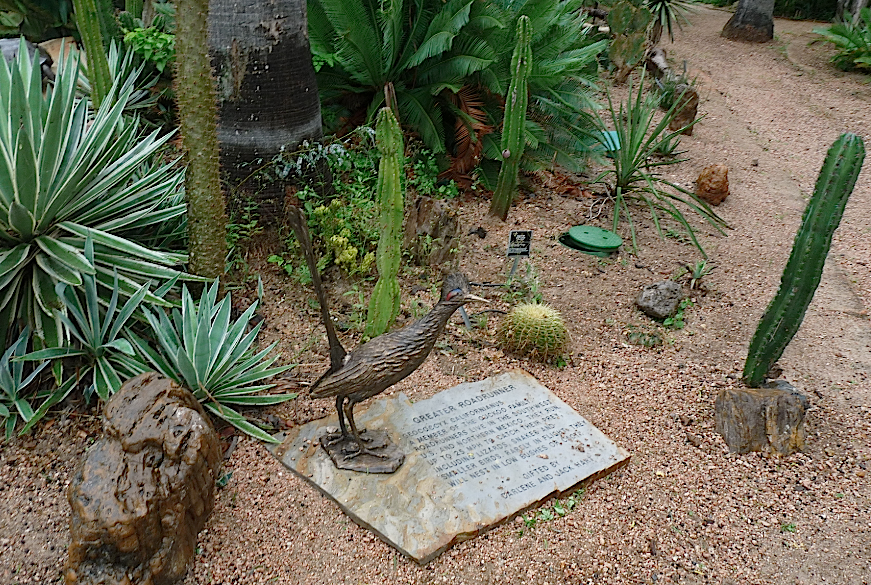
column 804, row 269
column 515, row 118
column 384, row 304
column 88, row 23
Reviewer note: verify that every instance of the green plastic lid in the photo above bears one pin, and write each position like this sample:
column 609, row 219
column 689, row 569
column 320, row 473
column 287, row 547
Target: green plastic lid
column 595, row 238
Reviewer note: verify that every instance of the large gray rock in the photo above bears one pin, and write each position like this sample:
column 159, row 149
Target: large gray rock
column 768, row 419
column 660, row 299
column 145, row 489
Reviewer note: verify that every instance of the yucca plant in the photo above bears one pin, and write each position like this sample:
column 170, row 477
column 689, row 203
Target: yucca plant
column 16, row 376
column 665, row 14
column 200, row 349
column 68, row 174
column 853, row 39
column 106, row 356
column 634, row 176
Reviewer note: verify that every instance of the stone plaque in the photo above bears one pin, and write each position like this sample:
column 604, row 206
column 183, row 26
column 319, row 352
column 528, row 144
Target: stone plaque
column 476, row 455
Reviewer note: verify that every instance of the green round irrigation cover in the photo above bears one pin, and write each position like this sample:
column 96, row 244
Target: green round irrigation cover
column 595, row 238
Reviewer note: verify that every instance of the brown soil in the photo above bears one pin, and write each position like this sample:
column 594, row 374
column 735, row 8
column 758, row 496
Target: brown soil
column 684, row 510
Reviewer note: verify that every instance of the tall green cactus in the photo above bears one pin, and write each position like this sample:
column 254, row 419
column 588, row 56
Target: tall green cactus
column 805, row 266
column 513, row 139
column 88, row 22
column 384, row 304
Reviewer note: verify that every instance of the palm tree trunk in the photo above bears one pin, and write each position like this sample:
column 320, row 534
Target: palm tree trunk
column 195, row 89
column 266, row 84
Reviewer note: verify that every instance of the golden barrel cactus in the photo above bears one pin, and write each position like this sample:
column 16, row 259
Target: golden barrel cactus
column 534, row 329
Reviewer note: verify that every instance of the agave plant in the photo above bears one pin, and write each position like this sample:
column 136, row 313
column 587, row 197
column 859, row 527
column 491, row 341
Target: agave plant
column 14, row 401
column 108, row 358
column 124, row 71
column 65, row 176
column 201, row 350
column 634, row 176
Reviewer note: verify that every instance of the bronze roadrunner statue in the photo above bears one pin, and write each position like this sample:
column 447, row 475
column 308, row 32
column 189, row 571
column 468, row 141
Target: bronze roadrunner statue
column 380, row 363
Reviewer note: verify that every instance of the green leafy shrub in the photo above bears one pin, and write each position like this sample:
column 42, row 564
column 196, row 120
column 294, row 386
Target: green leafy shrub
column 199, row 348
column 67, row 175
column 634, row 176
column 450, row 65
column 805, row 9
column 153, row 45
column 853, row 39
column 37, row 20
column 342, row 223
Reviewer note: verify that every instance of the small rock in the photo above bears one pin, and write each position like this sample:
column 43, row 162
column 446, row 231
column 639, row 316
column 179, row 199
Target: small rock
column 768, row 419
column 686, row 109
column 694, row 440
column 660, row 299
column 712, row 186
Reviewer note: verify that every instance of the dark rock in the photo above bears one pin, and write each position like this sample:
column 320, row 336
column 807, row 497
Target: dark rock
column 686, row 109
column 660, row 299
column 145, row 489
column 432, row 232
column 768, row 419
column 712, row 186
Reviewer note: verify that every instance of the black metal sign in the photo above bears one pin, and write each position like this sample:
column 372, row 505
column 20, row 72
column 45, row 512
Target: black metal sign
column 519, row 243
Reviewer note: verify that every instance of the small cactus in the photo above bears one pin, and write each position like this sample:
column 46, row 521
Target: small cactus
column 384, row 304
column 804, row 269
column 513, row 138
column 534, row 329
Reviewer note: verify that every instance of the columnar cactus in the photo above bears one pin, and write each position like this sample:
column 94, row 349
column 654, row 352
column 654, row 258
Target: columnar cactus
column 88, row 23
column 805, row 266
column 513, row 138
column 384, row 304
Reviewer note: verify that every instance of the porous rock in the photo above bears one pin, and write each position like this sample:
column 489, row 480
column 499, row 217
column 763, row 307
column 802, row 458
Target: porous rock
column 686, row 109
column 712, row 186
column 768, row 419
column 432, row 232
column 144, row 490
column 660, row 299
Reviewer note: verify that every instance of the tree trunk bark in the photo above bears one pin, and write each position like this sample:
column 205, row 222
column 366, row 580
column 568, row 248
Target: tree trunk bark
column 752, row 22
column 268, row 96
column 195, row 91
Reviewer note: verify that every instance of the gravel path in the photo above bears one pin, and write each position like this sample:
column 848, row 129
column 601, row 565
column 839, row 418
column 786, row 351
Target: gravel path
column 684, row 510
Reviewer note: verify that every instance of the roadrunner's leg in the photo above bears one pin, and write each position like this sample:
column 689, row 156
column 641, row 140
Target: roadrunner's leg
column 332, row 438
column 349, row 414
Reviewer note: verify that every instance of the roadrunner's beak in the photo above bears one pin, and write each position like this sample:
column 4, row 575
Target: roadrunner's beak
column 476, row 298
